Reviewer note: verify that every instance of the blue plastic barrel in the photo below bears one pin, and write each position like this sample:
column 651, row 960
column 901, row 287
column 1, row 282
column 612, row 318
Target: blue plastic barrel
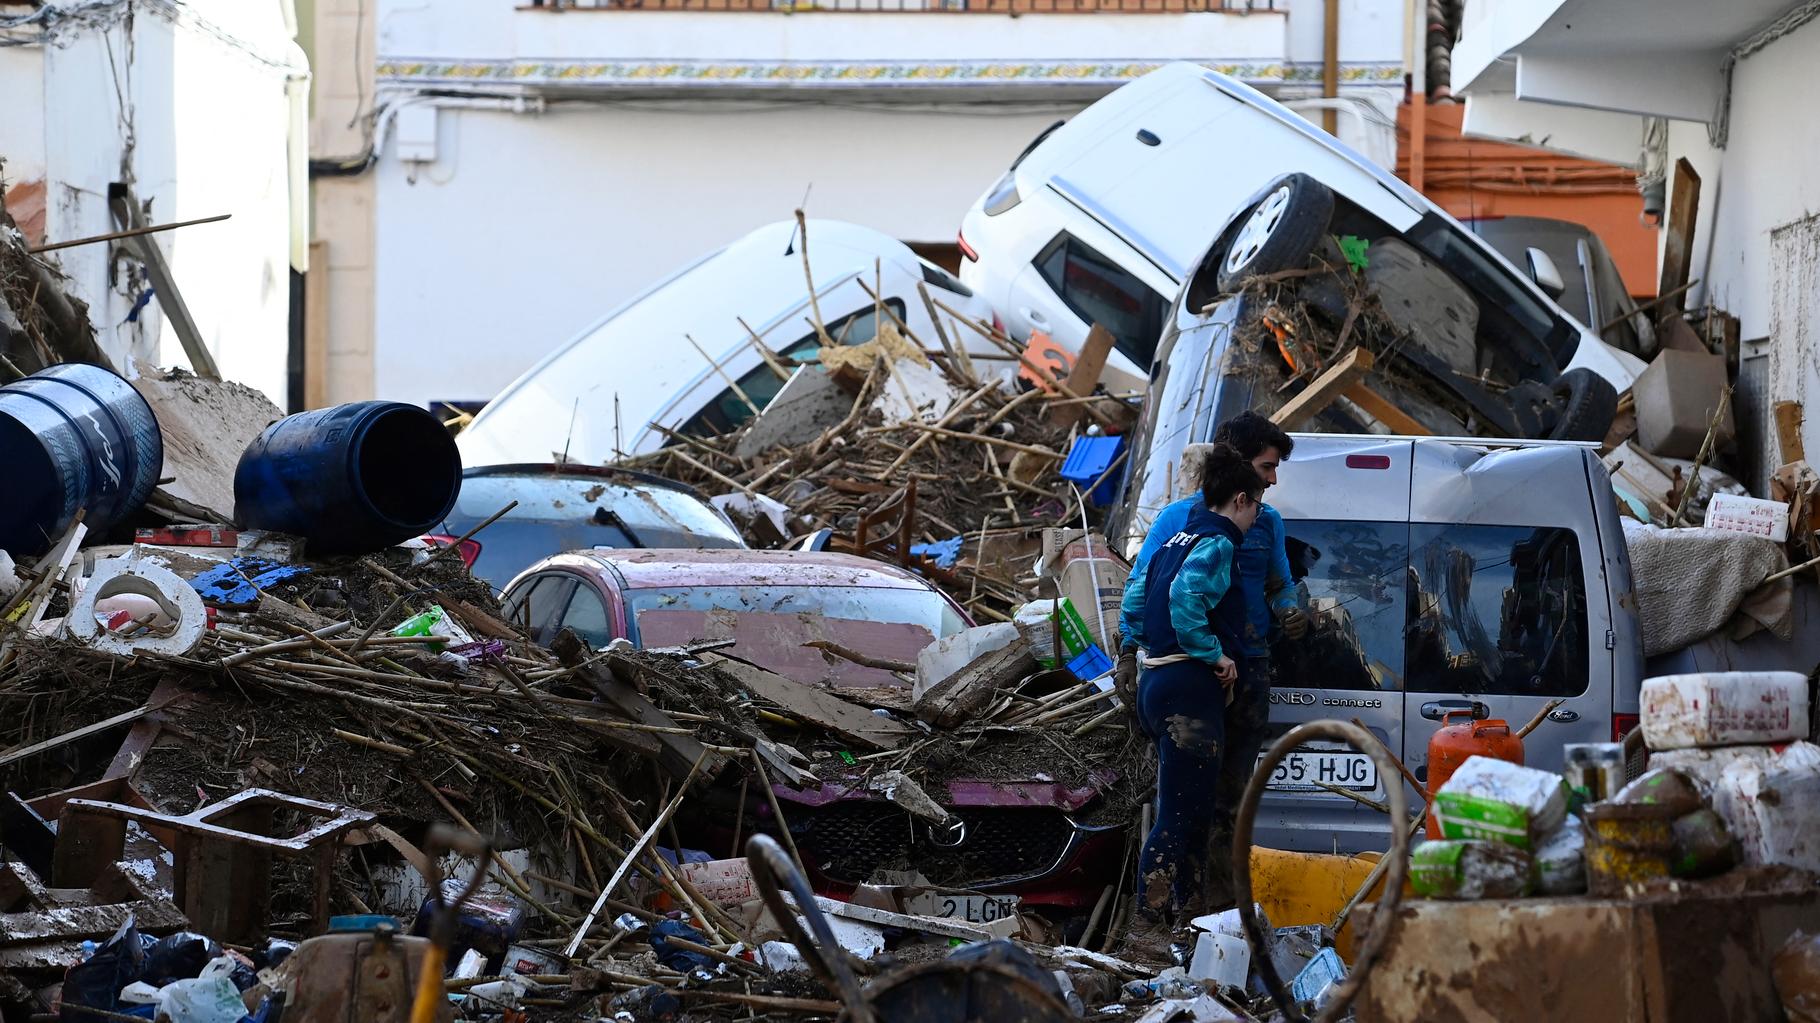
column 351, row 478
column 72, row 438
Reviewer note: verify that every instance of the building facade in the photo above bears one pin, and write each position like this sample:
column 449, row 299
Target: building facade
column 197, row 107
column 1654, row 82
column 491, row 178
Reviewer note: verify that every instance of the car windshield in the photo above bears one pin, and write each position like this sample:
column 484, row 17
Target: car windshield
column 925, row 608
column 577, row 512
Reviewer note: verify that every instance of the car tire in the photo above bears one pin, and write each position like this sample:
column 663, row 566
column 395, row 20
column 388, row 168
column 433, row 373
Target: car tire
column 1278, row 232
column 1533, row 407
column 1587, row 405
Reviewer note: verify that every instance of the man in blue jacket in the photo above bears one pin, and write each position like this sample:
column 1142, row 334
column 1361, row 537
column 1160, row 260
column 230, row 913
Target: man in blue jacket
column 1270, row 600
column 1185, row 609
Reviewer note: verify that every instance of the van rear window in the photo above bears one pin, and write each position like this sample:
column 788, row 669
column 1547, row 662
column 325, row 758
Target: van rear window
column 1498, row 610
column 1437, row 608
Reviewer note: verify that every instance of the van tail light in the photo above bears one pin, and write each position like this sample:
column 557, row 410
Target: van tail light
column 1621, row 724
column 966, row 250
column 468, row 552
column 1367, row 461
column 999, row 325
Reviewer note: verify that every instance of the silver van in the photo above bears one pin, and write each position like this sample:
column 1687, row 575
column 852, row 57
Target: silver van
column 1441, row 576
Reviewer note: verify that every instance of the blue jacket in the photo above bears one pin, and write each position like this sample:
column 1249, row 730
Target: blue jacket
column 1263, row 567
column 1182, row 600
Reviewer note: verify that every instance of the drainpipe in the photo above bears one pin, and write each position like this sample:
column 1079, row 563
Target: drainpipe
column 1330, row 64
column 1418, row 93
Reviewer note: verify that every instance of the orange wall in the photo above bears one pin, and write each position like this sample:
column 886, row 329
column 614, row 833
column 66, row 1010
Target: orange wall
column 1478, row 178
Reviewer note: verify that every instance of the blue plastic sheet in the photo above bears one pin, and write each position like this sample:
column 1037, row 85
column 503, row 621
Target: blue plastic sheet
column 238, row 582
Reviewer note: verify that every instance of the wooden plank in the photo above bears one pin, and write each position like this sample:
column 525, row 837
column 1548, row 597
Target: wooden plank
column 1381, row 409
column 849, row 721
column 1084, row 375
column 68, row 737
column 1331, row 384
column 316, row 328
column 1677, row 253
column 127, row 214
column 679, row 753
column 1788, row 415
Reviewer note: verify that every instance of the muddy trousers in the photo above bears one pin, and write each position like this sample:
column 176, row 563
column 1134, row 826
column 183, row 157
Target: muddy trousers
column 1183, row 707
column 1247, row 726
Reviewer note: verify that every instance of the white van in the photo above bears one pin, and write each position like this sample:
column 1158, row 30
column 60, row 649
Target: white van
column 1105, row 217
column 605, row 393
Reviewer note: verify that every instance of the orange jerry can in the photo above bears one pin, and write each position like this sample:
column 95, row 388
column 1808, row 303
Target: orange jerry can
column 1452, row 744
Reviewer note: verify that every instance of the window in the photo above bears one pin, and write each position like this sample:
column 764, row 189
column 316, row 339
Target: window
column 1099, row 291
column 587, row 615
column 1352, row 578
column 1498, row 610
column 537, row 602
column 727, row 411
column 1437, row 608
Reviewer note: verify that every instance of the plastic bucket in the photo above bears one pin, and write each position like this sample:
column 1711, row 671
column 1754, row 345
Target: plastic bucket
column 73, row 437
column 351, row 478
column 1627, row 844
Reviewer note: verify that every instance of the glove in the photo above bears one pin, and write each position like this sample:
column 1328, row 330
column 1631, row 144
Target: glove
column 1125, row 676
column 1294, row 623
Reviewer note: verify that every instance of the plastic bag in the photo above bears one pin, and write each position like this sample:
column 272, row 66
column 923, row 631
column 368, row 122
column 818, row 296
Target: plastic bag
column 678, row 958
column 95, row 982
column 180, row 956
column 211, row 997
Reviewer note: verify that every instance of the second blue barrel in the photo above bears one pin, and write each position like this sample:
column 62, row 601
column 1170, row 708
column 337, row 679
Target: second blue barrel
column 350, row 478
column 73, row 438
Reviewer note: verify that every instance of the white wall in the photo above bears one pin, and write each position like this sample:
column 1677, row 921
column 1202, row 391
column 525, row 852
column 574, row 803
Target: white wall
column 1752, row 247
column 199, row 128
column 21, row 113
column 530, row 227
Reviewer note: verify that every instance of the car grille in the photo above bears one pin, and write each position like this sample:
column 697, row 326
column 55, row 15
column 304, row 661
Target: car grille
column 849, row 841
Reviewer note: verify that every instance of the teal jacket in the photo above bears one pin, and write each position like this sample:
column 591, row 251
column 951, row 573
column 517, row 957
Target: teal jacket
column 1263, row 568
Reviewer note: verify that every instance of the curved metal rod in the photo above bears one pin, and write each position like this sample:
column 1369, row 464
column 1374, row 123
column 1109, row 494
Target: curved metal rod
column 769, row 863
column 1383, row 921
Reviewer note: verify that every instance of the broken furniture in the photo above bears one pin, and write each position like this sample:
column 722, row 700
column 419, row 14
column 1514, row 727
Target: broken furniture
column 43, row 928
column 888, row 528
column 223, row 853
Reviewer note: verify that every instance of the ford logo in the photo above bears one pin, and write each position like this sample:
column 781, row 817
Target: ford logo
column 950, row 834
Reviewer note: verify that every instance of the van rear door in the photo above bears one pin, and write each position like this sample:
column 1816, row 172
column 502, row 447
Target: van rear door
column 1345, row 507
column 1510, row 605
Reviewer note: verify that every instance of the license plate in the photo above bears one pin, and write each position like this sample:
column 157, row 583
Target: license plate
column 1301, row 769
column 975, row 909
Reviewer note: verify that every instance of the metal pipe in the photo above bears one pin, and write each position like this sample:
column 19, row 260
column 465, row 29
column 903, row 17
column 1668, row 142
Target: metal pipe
column 1384, row 920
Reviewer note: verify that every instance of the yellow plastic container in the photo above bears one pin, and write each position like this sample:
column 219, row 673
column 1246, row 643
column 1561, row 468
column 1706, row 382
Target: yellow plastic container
column 1311, row 888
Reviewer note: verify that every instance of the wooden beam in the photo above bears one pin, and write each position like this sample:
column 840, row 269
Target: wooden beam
column 1677, row 253
column 68, row 737
column 316, row 328
column 849, row 721
column 128, row 216
column 1331, row 384
column 680, row 753
column 1381, row 409
column 1788, row 415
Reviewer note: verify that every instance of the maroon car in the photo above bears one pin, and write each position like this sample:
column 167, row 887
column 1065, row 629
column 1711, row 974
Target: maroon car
column 1022, row 837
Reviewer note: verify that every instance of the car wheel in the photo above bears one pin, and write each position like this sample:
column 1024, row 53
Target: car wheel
column 1587, row 403
column 1279, row 232
column 1532, row 405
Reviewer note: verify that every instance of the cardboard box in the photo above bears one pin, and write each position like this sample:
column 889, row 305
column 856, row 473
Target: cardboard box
column 1085, row 569
column 1749, row 515
column 1676, row 397
column 1036, row 621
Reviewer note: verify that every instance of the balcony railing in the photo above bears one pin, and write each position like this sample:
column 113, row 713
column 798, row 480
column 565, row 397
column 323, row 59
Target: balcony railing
column 950, row 6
